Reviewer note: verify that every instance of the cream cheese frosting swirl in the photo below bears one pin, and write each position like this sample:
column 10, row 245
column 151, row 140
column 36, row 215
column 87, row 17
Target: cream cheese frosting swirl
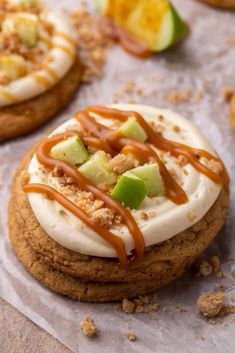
column 167, row 220
column 59, row 55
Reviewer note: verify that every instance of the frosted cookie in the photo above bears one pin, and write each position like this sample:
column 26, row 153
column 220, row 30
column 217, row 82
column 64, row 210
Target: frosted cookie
column 230, row 4
column 39, row 67
column 117, row 202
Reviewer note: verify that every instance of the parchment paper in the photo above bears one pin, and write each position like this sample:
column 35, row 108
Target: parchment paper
column 203, row 60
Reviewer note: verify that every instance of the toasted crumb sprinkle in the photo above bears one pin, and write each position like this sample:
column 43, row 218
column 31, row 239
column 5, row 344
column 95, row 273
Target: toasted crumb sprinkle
column 230, row 41
column 104, row 216
column 121, row 163
column 161, row 117
column 215, row 262
column 128, row 306
column 182, row 160
column 88, row 327
column 131, row 336
column 175, row 97
column 92, row 44
column 210, row 304
column 176, row 128
column 192, row 215
column 205, row 269
column 144, row 216
column 232, row 111
column 138, row 305
column 227, row 93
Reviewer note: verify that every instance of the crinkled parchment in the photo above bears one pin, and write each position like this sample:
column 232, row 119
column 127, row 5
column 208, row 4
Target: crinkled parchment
column 206, row 61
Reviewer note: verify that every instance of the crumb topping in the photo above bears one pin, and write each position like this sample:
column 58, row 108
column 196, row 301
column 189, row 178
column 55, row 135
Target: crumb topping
column 92, row 44
column 138, row 305
column 88, row 327
column 30, row 57
column 131, row 336
column 121, row 163
column 210, row 304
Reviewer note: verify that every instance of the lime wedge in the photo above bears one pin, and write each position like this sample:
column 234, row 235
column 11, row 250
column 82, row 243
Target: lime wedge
column 154, row 22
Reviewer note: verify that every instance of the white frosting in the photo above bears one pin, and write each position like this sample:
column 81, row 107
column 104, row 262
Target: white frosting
column 170, row 218
column 61, row 60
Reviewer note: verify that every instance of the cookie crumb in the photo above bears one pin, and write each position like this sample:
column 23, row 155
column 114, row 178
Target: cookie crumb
column 205, row 269
column 138, row 305
column 131, row 336
column 128, row 306
column 227, row 93
column 215, row 262
column 88, row 327
column 210, row 304
column 192, row 215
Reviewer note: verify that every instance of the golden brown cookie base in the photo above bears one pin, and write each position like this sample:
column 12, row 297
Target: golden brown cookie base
column 24, row 117
column 229, row 4
column 90, row 278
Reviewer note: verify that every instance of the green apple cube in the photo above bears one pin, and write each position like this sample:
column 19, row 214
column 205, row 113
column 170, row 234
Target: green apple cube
column 102, row 5
column 25, row 25
column 151, row 176
column 13, row 65
column 71, row 150
column 97, row 171
column 173, row 29
column 133, row 130
column 130, row 191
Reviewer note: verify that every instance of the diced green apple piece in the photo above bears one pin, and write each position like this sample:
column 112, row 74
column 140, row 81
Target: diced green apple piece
column 28, row 3
column 25, row 25
column 97, row 171
column 130, row 191
column 133, row 130
column 173, row 29
column 13, row 65
column 102, row 5
column 71, row 150
column 151, row 176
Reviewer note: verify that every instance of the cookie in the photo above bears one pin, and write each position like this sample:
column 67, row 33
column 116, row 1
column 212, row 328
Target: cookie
column 70, row 273
column 62, row 252
column 19, row 119
column 229, row 4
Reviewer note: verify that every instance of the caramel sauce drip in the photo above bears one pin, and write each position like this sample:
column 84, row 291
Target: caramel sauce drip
column 176, row 149
column 44, row 157
column 114, row 32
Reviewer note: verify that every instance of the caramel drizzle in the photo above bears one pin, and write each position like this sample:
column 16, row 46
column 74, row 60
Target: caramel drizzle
column 176, row 149
column 52, row 73
column 8, row 96
column 43, row 156
column 66, row 37
column 103, row 138
column 132, row 45
column 65, row 49
column 42, row 80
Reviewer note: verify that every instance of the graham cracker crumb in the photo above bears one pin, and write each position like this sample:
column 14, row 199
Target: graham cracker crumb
column 175, row 97
column 221, row 274
column 210, row 304
column 176, row 128
column 138, row 305
column 205, row 269
column 215, row 166
column 144, row 216
column 213, row 305
column 161, row 117
column 131, row 336
column 232, row 111
column 192, row 215
column 121, row 163
column 227, row 93
column 88, row 327
column 215, row 262
column 103, row 216
column 182, row 160
column 128, row 306
column 92, row 44
column 230, row 41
